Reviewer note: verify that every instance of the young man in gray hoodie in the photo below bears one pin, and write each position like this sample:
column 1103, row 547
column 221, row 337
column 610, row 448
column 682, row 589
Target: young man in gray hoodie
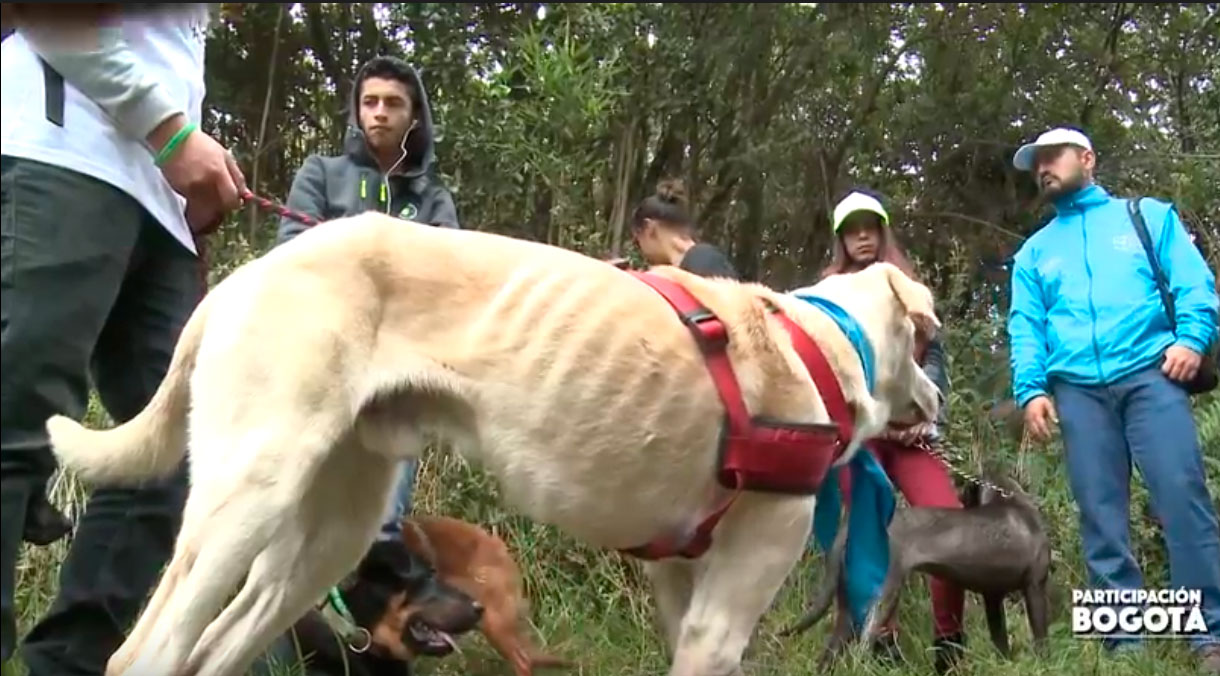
column 388, row 164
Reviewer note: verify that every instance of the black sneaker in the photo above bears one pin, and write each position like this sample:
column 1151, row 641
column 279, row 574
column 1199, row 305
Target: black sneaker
column 948, row 652
column 44, row 523
column 886, row 650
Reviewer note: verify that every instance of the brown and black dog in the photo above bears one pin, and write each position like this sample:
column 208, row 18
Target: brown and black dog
column 405, row 608
column 467, row 557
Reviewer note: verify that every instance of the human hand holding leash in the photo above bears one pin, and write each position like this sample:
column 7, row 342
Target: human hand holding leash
column 1181, row 363
column 1039, row 414
column 199, row 169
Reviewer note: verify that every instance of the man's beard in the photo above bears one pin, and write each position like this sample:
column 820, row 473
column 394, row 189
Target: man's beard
column 1066, row 187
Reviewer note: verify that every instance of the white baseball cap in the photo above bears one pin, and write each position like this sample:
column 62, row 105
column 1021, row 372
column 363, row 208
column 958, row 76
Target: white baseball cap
column 1024, row 157
column 857, row 201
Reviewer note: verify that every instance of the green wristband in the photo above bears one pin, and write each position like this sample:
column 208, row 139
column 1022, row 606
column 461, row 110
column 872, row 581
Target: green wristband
column 168, row 151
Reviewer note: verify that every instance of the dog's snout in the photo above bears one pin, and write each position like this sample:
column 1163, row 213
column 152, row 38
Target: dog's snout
column 477, row 608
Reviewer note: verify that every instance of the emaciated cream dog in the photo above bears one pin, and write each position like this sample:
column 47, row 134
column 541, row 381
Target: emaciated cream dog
column 304, row 376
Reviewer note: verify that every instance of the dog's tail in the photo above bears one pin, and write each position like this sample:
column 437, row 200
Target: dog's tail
column 150, row 445
column 824, row 595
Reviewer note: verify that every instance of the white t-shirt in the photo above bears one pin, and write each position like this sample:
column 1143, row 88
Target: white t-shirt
column 170, row 44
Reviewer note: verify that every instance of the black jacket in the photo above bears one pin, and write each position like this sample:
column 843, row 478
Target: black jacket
column 707, row 261
column 936, row 367
column 328, row 187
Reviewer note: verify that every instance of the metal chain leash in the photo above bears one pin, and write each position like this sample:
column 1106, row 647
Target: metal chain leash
column 940, row 449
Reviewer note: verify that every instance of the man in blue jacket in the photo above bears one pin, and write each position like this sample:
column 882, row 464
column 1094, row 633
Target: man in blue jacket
column 1089, row 333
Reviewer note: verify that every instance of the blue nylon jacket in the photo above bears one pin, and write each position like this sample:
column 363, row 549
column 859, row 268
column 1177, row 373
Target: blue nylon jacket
column 1085, row 307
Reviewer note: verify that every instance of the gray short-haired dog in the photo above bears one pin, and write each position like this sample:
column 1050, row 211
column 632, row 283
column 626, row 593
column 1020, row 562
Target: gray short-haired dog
column 996, row 546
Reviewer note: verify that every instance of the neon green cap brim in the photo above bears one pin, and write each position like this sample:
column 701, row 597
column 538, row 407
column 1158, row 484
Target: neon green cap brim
column 858, row 202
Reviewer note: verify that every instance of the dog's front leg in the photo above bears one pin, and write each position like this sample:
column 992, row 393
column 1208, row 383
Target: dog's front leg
column 756, row 546
column 997, row 623
column 842, row 633
column 886, row 605
column 672, row 582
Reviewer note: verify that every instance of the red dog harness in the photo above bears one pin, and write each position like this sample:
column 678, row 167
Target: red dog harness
column 755, row 454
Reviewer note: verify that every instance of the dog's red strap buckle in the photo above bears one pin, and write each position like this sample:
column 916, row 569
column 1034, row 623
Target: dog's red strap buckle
column 754, row 455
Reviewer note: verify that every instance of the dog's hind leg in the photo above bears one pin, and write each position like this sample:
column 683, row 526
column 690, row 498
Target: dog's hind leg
column 228, row 522
column 755, row 548
column 175, row 573
column 186, row 550
column 1037, row 608
column 319, row 542
column 672, row 584
column 997, row 623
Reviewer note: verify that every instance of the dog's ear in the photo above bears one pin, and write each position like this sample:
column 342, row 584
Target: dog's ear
column 416, row 540
column 390, row 561
column 915, row 299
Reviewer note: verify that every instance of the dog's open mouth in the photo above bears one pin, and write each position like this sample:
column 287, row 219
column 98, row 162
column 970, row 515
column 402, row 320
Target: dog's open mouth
column 429, row 640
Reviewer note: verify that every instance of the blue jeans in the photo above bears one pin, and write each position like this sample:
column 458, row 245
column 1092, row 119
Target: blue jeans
column 400, row 502
column 1146, row 419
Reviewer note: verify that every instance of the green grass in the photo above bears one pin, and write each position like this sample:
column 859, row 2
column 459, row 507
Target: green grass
column 593, row 605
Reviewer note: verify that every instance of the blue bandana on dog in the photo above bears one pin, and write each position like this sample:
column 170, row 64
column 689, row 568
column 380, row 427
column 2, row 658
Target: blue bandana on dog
column 867, row 556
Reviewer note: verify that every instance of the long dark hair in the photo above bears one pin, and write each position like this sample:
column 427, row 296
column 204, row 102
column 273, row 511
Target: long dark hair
column 667, row 206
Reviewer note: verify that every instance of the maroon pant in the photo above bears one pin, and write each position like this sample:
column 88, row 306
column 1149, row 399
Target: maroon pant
column 924, row 481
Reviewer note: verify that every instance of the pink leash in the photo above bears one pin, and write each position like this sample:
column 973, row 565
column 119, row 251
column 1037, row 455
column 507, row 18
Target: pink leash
column 278, row 209
column 262, row 203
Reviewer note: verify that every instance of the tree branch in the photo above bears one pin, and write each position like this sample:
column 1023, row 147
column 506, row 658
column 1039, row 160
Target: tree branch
column 873, row 90
column 262, row 124
column 964, row 217
column 1109, row 62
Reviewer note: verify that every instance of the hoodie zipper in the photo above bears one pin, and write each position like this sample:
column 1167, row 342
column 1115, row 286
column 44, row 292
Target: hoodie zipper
column 1088, row 269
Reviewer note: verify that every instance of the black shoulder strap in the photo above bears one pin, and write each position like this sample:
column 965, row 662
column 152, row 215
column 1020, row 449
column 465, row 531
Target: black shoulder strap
column 53, row 88
column 1162, row 285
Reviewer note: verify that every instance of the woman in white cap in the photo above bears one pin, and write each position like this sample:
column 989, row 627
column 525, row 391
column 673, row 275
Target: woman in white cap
column 863, row 237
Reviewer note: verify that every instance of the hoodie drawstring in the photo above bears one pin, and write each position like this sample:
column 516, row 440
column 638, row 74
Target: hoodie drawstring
column 364, row 192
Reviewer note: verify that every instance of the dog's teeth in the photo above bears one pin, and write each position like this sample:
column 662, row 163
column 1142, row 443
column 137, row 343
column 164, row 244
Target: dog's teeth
column 452, row 643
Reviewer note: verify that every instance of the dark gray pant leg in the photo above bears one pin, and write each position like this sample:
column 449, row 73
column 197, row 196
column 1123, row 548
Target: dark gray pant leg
column 125, row 536
column 66, row 240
